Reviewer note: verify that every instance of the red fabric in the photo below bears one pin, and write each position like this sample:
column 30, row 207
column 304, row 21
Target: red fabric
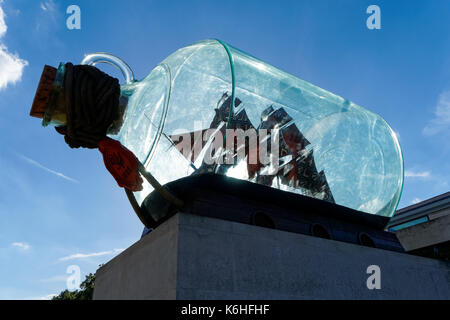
column 121, row 163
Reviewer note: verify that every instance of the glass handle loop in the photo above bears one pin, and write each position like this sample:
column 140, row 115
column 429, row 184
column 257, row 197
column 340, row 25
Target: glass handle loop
column 100, row 57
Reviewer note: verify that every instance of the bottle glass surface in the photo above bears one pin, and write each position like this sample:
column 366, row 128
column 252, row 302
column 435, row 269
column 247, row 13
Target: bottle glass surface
column 329, row 147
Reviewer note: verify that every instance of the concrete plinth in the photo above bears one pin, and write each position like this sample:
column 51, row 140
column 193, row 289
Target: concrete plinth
column 193, row 257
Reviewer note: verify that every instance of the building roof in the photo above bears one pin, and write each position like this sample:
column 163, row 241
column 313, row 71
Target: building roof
column 433, row 207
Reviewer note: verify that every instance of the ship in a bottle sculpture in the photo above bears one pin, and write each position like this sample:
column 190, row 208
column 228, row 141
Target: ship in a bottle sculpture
column 211, row 108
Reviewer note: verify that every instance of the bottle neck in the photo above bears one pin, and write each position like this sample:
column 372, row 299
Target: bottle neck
column 116, row 124
column 57, row 117
column 84, row 103
column 50, row 100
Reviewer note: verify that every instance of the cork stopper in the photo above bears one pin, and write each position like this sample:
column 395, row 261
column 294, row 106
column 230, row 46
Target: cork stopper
column 43, row 92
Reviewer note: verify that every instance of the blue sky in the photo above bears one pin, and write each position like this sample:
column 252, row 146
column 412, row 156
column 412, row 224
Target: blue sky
column 60, row 207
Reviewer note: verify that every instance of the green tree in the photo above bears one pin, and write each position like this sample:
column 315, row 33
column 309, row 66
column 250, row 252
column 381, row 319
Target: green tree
column 85, row 293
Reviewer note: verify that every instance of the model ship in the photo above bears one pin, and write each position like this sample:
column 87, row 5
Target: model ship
column 296, row 169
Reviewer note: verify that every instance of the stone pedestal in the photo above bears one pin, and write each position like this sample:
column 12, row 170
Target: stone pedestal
column 194, row 257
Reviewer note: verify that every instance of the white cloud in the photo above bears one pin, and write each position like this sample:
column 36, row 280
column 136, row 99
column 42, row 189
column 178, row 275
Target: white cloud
column 418, row 174
column 11, row 66
column 56, row 173
column 22, row 245
column 61, row 278
column 3, row 26
column 48, row 5
column 415, row 200
column 89, row 255
column 441, row 120
column 46, row 297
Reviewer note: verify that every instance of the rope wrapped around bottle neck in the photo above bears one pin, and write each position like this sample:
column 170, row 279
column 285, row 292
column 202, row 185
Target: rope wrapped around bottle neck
column 92, row 104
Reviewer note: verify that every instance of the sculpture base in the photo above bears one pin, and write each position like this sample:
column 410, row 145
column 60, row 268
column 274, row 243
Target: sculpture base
column 194, row 257
column 222, row 197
